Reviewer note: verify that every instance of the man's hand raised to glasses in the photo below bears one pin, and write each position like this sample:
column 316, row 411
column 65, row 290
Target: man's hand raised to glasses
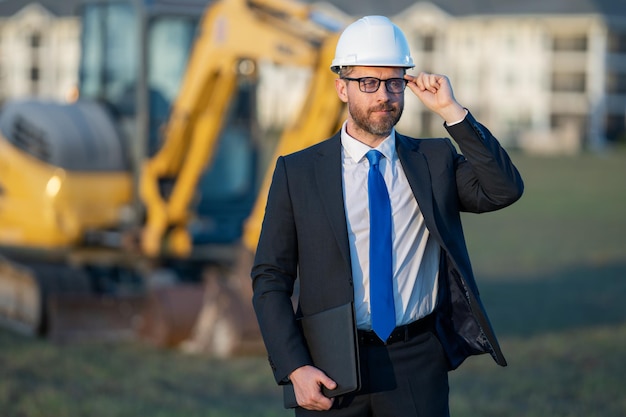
column 435, row 91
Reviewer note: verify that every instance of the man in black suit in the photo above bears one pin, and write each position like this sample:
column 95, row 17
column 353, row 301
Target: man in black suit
column 317, row 228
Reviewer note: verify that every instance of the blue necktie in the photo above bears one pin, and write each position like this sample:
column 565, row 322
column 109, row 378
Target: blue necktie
column 381, row 284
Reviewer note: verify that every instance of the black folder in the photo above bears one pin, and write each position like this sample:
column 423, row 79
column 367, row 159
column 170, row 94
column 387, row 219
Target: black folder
column 332, row 341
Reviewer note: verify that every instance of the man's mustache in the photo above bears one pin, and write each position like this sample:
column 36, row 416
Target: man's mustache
column 383, row 107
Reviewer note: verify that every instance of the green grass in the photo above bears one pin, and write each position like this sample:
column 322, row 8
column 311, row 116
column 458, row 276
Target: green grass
column 552, row 273
column 40, row 379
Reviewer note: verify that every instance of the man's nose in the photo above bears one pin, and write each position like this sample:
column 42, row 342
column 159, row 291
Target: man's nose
column 382, row 94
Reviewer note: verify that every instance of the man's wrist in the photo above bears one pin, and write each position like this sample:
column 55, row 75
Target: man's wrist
column 456, row 122
column 453, row 115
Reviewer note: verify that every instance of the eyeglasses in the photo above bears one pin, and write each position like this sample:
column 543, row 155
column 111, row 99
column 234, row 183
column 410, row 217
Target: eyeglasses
column 371, row 84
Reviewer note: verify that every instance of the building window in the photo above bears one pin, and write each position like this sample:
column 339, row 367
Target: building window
column 428, row 43
column 615, row 127
column 617, row 42
column 35, row 40
column 425, row 43
column 616, row 83
column 34, row 74
column 569, row 82
column 561, row 120
column 569, row 43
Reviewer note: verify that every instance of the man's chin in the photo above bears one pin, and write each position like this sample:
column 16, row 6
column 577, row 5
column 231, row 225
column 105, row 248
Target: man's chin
column 381, row 129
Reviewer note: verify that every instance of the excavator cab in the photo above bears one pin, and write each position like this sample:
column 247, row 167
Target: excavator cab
column 135, row 57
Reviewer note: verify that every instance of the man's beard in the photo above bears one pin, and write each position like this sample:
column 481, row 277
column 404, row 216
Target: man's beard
column 382, row 127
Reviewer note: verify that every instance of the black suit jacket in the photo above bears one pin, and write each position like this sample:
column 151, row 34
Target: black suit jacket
column 305, row 235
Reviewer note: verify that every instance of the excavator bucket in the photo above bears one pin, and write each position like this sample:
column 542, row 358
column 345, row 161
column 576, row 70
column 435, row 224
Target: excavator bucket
column 169, row 314
column 226, row 325
column 87, row 317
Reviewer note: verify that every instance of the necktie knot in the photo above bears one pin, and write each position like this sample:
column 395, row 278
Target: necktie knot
column 373, row 157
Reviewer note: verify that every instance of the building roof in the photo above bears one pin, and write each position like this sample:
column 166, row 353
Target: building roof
column 395, row 7
column 56, row 7
column 606, row 7
column 72, row 7
column 483, row 7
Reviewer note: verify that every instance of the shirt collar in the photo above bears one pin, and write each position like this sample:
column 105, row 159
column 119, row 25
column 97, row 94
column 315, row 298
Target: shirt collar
column 357, row 150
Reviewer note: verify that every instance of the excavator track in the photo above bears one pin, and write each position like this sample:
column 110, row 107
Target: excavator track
column 64, row 303
column 69, row 303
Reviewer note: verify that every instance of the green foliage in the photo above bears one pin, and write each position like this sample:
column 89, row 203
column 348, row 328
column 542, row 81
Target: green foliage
column 552, row 273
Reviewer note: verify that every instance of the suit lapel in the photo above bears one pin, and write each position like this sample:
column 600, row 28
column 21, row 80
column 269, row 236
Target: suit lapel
column 417, row 173
column 329, row 182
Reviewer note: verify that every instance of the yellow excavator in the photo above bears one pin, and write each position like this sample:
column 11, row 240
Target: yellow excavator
column 135, row 210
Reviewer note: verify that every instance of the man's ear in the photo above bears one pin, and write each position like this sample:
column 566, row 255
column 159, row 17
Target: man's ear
column 342, row 89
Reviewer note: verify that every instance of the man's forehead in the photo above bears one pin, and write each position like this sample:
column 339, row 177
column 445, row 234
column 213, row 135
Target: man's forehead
column 359, row 71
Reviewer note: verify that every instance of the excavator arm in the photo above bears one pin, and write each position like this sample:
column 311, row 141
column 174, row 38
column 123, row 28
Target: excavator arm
column 321, row 116
column 233, row 33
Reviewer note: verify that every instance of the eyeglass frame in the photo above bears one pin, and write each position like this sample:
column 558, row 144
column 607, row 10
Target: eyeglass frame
column 362, row 88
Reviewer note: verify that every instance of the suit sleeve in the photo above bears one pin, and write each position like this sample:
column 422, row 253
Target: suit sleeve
column 273, row 276
column 486, row 178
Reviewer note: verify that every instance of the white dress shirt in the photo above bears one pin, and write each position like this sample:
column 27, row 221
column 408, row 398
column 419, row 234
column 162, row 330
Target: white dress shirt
column 415, row 253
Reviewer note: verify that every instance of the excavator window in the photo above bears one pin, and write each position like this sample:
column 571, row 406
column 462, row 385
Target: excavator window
column 169, row 44
column 228, row 189
column 109, row 60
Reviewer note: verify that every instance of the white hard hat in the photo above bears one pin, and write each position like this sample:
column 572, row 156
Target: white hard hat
column 372, row 41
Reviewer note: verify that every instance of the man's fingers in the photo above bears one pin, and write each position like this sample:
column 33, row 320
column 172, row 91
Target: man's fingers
column 426, row 81
column 316, row 401
column 431, row 82
column 320, row 401
column 307, row 382
column 435, row 92
column 328, row 383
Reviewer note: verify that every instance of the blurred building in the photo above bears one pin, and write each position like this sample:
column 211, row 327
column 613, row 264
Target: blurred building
column 39, row 48
column 544, row 75
column 547, row 76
